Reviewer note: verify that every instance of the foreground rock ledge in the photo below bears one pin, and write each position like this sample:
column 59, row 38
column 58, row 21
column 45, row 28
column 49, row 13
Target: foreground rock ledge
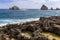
column 31, row 30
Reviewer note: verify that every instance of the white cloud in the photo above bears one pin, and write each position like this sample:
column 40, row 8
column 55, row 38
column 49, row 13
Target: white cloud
column 29, row 3
column 54, row 0
column 35, row 4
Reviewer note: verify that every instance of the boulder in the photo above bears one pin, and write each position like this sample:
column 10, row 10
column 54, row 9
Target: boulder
column 28, row 28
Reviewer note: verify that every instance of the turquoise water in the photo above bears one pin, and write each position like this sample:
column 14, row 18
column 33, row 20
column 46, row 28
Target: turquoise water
column 15, row 16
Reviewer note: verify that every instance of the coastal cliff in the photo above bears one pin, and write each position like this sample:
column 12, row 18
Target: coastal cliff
column 14, row 8
column 33, row 30
column 44, row 7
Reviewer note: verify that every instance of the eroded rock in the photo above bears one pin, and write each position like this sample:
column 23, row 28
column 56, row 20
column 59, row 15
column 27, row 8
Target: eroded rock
column 49, row 24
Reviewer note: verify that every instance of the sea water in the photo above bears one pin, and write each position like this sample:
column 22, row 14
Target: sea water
column 24, row 15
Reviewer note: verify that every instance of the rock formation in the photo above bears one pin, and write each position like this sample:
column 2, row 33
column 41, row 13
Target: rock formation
column 57, row 9
column 51, row 24
column 51, row 8
column 44, row 7
column 31, row 30
column 14, row 8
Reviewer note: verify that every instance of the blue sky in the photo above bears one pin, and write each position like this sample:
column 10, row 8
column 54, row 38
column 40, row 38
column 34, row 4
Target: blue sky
column 29, row 4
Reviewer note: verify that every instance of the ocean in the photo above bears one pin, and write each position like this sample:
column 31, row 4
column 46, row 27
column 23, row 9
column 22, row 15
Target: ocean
column 24, row 15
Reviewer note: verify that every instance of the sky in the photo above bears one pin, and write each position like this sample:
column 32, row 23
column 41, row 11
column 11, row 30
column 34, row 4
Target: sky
column 29, row 4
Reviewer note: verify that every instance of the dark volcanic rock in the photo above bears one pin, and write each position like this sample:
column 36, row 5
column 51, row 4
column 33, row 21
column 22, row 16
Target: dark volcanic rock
column 44, row 7
column 51, row 24
column 14, row 31
column 55, row 29
column 28, row 28
column 39, row 36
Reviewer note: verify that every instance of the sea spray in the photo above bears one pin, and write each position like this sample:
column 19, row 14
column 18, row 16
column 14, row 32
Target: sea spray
column 15, row 21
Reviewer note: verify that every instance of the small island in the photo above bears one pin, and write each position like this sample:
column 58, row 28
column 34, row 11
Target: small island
column 44, row 7
column 57, row 8
column 14, row 8
column 51, row 8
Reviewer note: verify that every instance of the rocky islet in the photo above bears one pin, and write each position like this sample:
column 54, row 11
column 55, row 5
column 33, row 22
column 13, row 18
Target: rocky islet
column 14, row 8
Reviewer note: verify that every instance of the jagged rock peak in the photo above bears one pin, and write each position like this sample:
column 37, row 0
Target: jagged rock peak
column 44, row 7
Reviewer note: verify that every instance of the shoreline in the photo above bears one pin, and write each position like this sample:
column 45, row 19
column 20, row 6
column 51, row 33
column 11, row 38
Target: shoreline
column 34, row 29
column 20, row 21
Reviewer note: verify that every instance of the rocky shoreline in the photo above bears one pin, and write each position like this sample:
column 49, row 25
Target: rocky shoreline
column 31, row 30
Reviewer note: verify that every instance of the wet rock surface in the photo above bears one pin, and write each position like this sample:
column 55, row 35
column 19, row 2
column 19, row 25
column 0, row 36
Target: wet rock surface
column 31, row 30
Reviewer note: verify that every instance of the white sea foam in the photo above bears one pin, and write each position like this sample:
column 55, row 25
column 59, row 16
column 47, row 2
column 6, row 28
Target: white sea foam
column 14, row 21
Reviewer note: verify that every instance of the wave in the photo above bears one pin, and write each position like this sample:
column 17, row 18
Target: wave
column 14, row 21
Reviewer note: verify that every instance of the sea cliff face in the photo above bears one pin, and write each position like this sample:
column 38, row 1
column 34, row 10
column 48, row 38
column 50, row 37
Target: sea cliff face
column 31, row 30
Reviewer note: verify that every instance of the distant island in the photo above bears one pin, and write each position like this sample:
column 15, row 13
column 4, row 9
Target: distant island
column 51, row 8
column 57, row 8
column 14, row 8
column 44, row 7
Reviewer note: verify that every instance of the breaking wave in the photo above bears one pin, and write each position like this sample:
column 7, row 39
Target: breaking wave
column 14, row 21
